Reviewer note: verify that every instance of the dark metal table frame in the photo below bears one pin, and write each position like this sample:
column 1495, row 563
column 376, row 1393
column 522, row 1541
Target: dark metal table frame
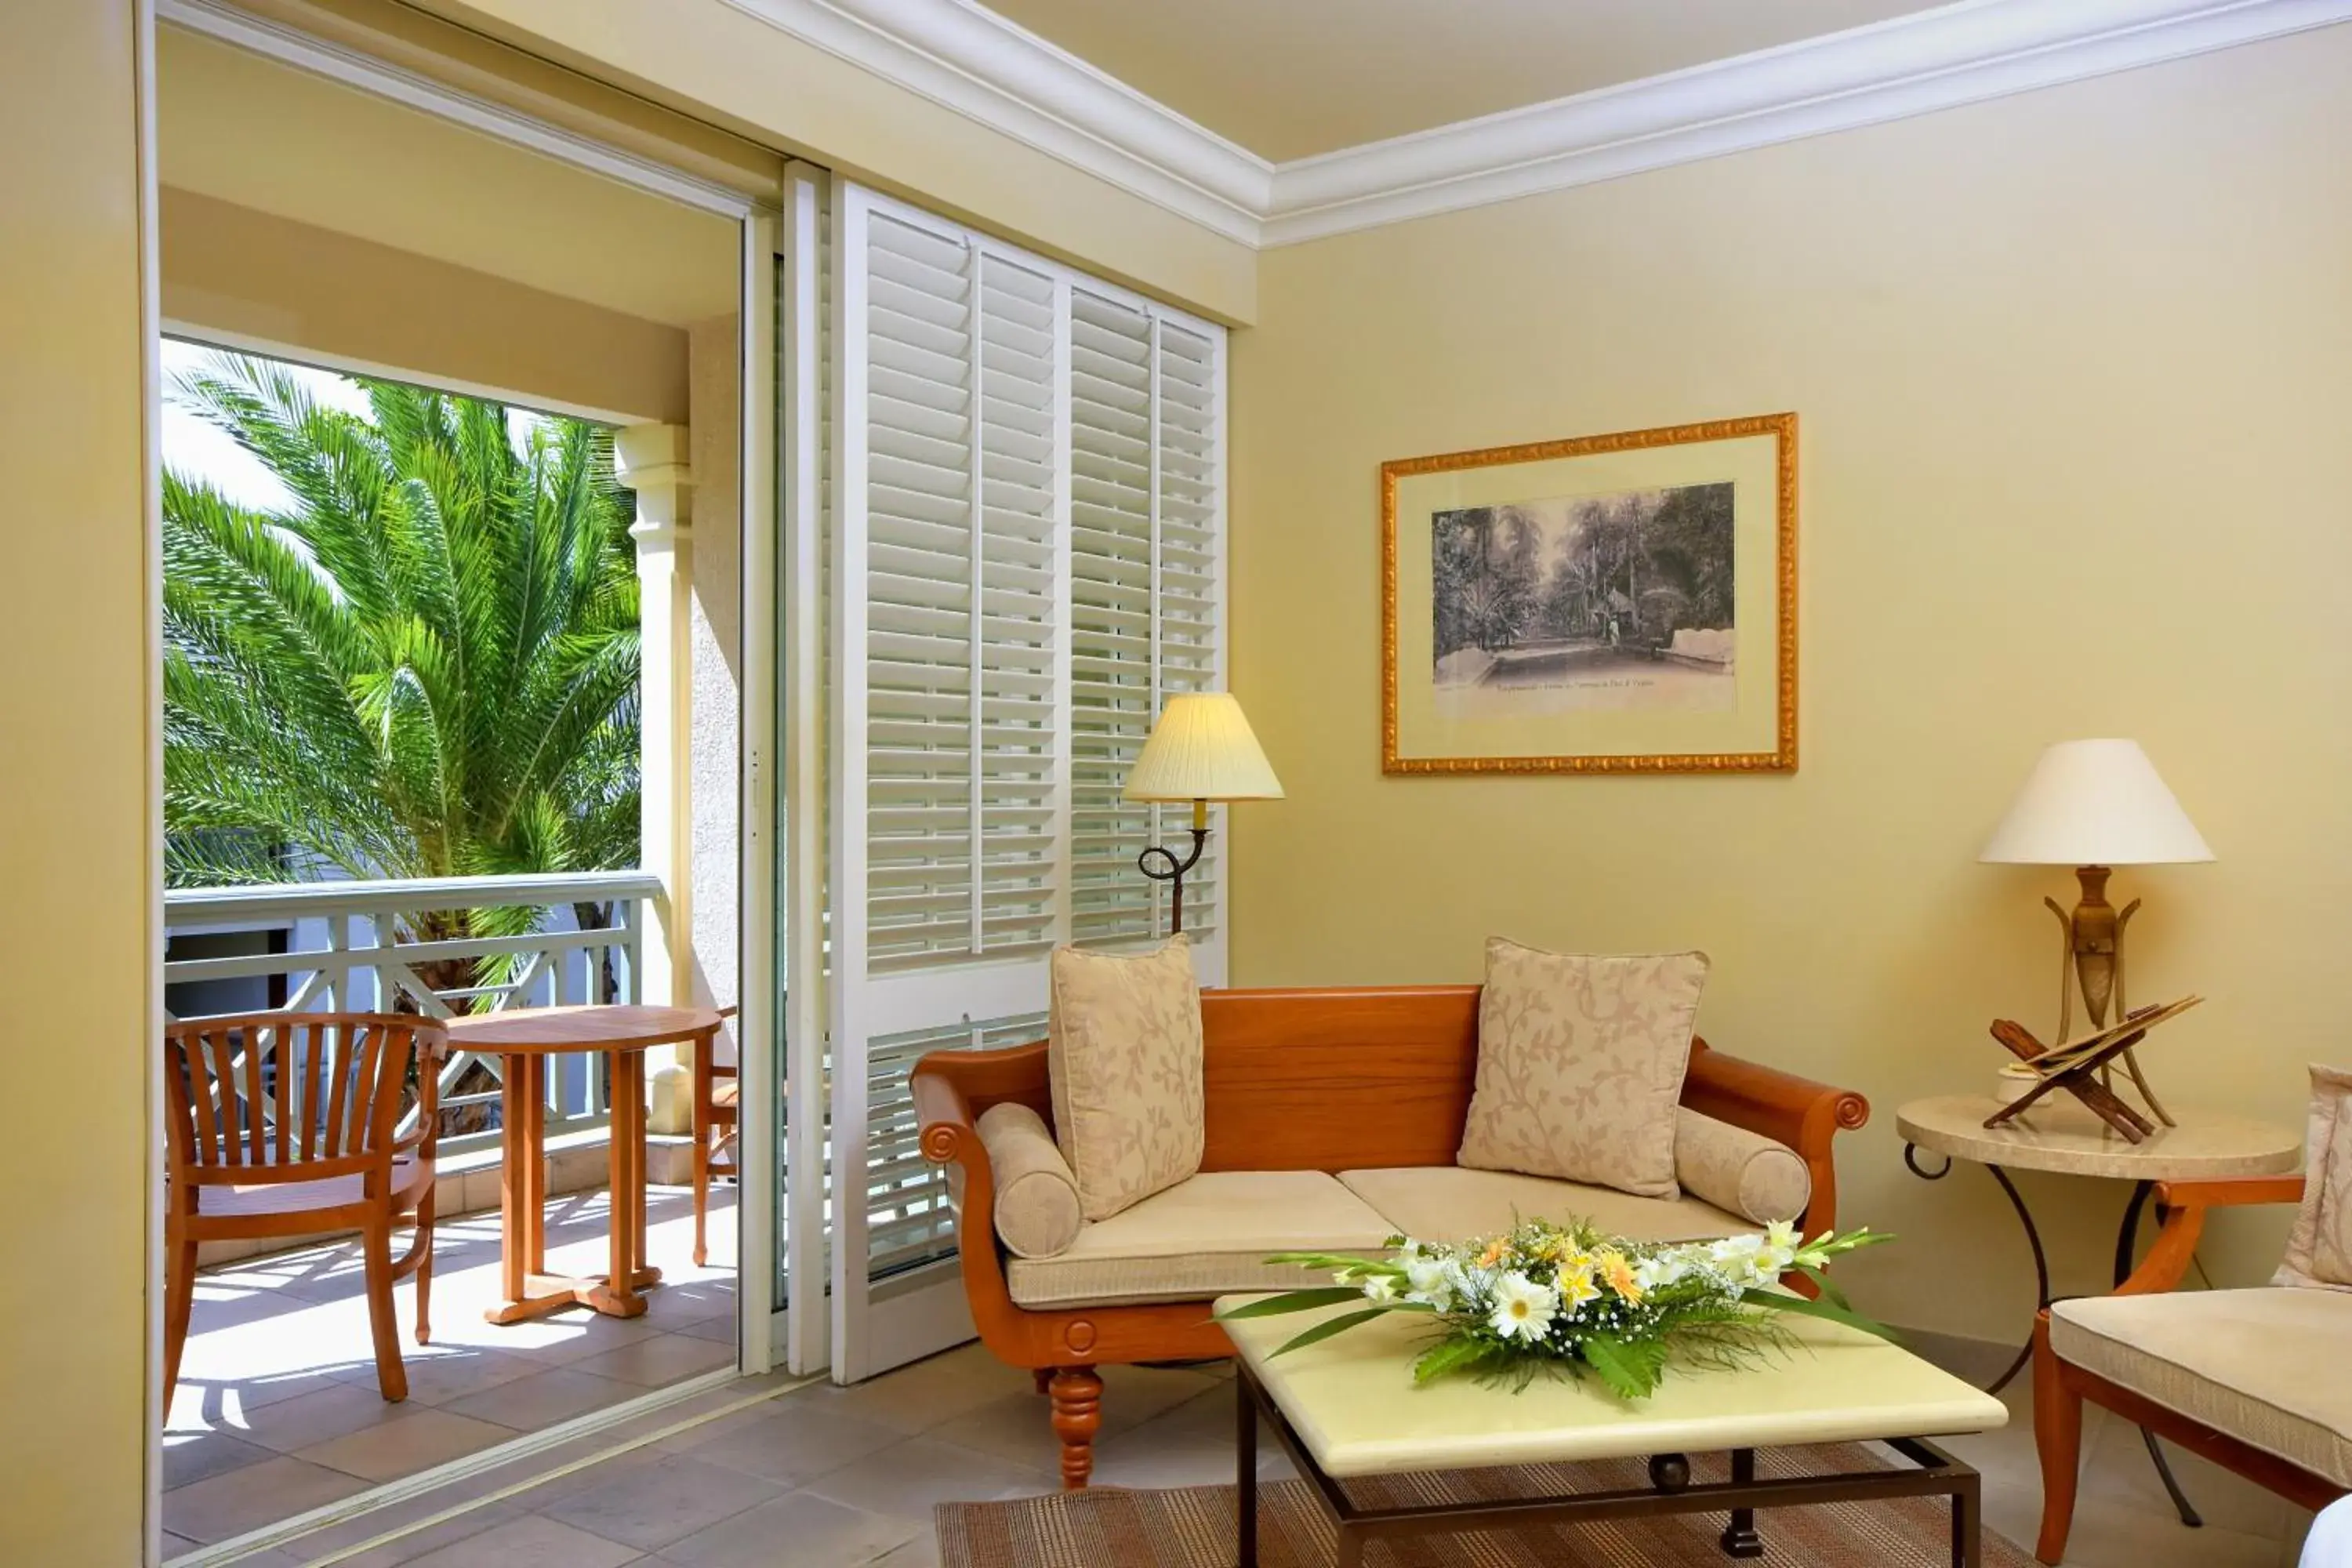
column 1937, row 1474
column 2127, row 1258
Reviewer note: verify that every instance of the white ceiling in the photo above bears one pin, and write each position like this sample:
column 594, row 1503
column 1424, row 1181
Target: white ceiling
column 1290, row 79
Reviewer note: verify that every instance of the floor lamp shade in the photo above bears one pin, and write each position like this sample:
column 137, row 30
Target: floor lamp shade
column 1203, row 749
column 2094, row 803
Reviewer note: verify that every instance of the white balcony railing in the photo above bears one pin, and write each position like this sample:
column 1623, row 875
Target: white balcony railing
column 356, row 947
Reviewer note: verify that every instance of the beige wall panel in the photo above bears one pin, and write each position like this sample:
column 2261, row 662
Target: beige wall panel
column 76, row 848
column 263, row 280
column 725, row 65
column 235, row 126
column 2072, row 372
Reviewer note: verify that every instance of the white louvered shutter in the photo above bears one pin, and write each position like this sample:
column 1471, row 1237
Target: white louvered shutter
column 1145, row 522
column 949, row 801
column 1026, row 560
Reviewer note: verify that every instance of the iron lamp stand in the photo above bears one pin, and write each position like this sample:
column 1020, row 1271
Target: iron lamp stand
column 1171, row 871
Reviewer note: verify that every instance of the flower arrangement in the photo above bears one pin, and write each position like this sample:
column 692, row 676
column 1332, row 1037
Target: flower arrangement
column 1566, row 1298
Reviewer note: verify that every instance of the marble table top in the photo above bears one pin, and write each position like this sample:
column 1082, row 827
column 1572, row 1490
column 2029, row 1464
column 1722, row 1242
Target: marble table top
column 2059, row 1135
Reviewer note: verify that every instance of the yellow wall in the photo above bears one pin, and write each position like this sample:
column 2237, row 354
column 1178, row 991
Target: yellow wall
column 2072, row 372
column 263, row 280
column 76, row 847
column 720, row 63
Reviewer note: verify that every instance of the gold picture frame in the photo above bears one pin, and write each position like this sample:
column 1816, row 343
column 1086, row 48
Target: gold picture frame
column 1561, row 709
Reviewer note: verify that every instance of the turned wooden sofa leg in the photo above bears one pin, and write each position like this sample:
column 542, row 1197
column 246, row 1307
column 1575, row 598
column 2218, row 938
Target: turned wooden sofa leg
column 1077, row 1417
column 1044, row 1378
column 2058, row 1438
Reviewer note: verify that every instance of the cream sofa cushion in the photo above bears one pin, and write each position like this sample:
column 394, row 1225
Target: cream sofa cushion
column 1740, row 1171
column 1124, row 1054
column 1037, row 1213
column 1454, row 1203
column 2319, row 1247
column 1208, row 1236
column 2263, row 1365
column 1581, row 1065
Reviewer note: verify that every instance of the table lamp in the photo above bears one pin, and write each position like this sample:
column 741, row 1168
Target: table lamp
column 1201, row 750
column 2094, row 805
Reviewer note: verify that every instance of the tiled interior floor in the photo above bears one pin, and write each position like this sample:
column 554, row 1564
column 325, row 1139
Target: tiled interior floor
column 822, row 1476
column 277, row 1409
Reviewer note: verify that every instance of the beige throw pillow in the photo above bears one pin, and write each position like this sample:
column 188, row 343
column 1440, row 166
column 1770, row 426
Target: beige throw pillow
column 1581, row 1065
column 1125, row 1058
column 2319, row 1247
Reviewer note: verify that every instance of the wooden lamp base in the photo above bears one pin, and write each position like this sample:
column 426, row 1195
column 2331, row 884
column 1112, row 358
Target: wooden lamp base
column 2092, row 956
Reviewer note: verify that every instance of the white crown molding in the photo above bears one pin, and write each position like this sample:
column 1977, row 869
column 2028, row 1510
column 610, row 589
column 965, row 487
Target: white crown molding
column 966, row 58
column 958, row 54
column 1965, row 53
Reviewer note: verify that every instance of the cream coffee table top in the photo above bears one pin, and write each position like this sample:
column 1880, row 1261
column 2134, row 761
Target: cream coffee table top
column 1352, row 1402
column 2066, row 1137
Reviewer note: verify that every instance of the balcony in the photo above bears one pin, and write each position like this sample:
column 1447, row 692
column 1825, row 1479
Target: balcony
column 276, row 1410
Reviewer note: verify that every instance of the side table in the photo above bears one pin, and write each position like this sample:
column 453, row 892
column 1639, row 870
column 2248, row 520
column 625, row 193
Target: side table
column 524, row 1037
column 2065, row 1139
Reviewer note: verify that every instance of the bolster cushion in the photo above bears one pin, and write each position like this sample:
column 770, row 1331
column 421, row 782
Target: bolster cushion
column 1739, row 1172
column 1037, row 1213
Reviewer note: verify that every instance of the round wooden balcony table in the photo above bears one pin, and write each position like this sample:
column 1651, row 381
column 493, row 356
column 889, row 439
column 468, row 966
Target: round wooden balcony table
column 2064, row 1137
column 523, row 1038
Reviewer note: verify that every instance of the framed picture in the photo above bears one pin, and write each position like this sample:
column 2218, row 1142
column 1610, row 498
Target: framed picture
column 1610, row 604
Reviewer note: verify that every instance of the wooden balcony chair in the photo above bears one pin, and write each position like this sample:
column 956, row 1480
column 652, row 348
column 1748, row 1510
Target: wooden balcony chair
column 287, row 1124
column 717, row 1089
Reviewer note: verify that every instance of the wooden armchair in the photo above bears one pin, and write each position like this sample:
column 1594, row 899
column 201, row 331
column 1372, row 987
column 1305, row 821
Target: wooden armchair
column 717, row 1092
column 2240, row 1377
column 286, row 1124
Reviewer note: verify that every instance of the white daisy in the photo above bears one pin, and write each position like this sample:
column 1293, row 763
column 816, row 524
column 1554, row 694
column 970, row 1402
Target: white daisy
column 1523, row 1308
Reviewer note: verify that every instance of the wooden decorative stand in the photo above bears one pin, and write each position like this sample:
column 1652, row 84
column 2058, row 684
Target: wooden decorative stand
column 2084, row 1067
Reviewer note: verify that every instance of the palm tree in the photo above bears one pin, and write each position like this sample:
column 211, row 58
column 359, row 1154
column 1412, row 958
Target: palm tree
column 425, row 666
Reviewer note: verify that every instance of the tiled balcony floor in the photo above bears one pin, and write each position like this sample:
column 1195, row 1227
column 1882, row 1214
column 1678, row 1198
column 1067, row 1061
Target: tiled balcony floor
column 822, row 1476
column 277, row 1409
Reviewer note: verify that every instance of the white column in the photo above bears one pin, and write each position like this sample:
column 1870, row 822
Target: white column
column 652, row 460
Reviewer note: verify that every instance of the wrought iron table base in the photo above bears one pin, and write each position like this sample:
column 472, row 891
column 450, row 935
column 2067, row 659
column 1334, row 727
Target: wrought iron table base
column 1937, row 1474
column 2126, row 1256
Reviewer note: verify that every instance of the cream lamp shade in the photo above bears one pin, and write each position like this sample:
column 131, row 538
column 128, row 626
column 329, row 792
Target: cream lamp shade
column 1203, row 749
column 2094, row 803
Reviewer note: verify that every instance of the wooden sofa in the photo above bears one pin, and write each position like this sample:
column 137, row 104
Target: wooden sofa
column 1354, row 1080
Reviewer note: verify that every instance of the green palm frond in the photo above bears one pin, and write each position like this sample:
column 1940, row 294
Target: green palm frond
column 425, row 665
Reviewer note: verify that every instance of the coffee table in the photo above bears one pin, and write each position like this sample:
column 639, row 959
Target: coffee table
column 1348, row 1407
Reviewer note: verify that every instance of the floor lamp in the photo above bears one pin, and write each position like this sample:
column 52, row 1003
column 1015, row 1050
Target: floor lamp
column 1201, row 750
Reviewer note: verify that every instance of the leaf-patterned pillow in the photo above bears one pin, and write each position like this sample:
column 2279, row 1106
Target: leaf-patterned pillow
column 1124, row 1054
column 1581, row 1065
column 2319, row 1247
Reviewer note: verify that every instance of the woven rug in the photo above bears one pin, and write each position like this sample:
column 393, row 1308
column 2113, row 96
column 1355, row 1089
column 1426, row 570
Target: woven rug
column 1193, row 1527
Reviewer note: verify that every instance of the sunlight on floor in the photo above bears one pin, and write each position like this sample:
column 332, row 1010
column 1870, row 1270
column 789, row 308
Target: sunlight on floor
column 277, row 1409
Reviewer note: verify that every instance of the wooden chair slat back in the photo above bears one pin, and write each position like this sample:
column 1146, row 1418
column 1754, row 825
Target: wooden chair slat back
column 284, row 1088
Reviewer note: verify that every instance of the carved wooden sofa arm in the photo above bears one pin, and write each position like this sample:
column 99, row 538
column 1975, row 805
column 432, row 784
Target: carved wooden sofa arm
column 1804, row 1115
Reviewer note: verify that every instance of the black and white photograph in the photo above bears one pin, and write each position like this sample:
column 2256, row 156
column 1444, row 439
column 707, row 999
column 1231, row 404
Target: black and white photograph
column 1616, row 601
